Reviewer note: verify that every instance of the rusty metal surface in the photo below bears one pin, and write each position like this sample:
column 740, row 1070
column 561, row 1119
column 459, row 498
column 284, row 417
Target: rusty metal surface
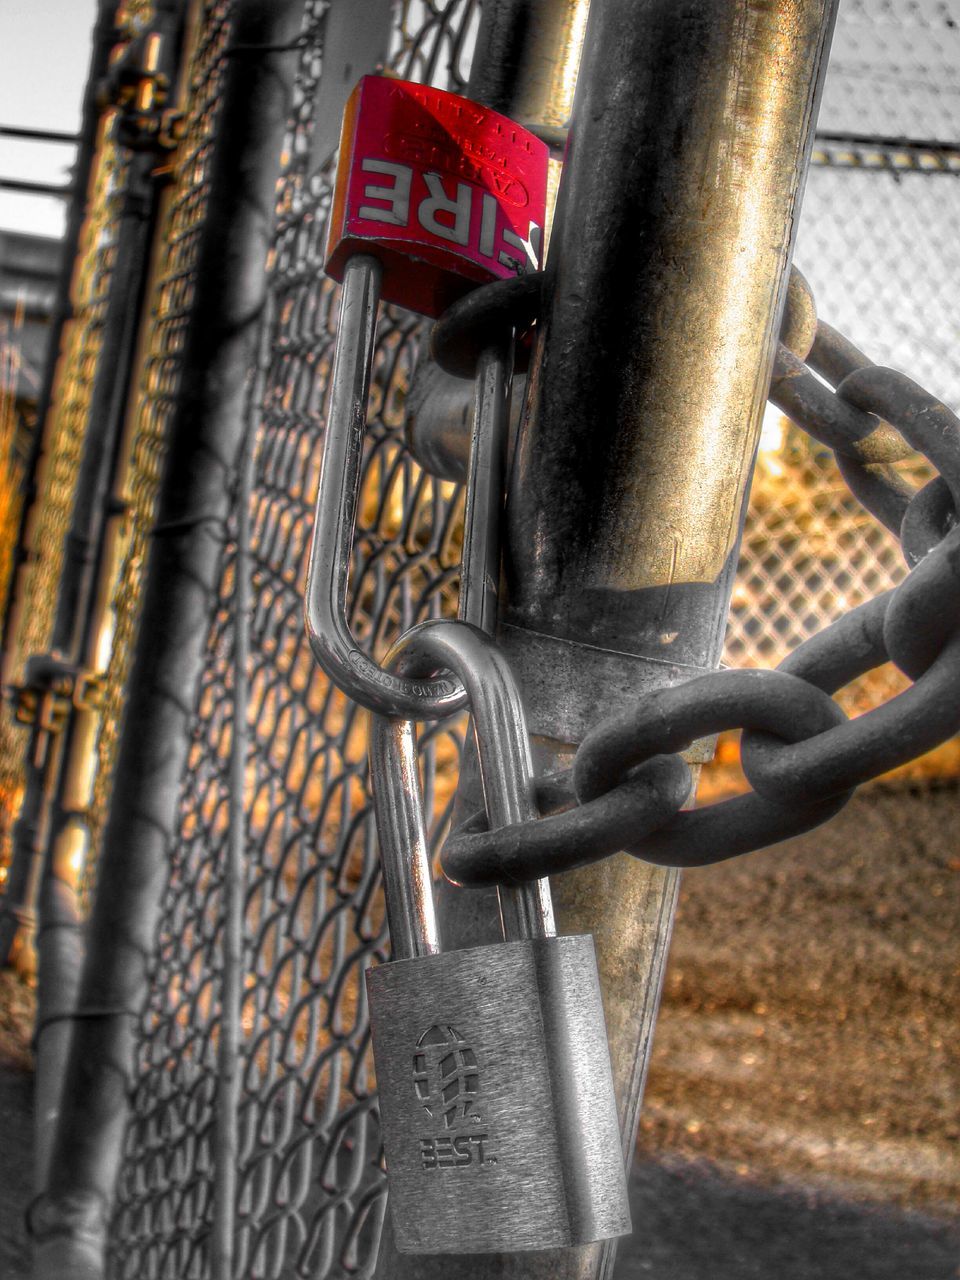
column 187, row 529
column 30, row 621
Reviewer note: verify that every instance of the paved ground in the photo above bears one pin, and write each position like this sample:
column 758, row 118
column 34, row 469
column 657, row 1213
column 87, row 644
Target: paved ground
column 692, row 1222
column 803, row 1108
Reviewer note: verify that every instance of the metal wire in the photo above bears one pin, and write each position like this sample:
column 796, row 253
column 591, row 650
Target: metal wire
column 810, row 554
column 65, row 431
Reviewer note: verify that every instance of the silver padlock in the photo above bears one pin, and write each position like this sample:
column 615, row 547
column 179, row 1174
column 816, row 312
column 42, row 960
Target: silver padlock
column 496, row 1096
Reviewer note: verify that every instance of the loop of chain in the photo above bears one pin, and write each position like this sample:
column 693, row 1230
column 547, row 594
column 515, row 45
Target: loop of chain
column 642, row 802
column 800, row 753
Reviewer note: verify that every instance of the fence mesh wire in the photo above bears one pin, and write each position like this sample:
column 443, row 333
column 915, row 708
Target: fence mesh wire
column 875, row 242
column 311, row 1184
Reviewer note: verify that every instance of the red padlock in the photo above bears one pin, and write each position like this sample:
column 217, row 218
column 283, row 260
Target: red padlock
column 444, row 192
column 434, row 195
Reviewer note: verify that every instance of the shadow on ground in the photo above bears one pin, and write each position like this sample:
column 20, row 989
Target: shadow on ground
column 693, row 1222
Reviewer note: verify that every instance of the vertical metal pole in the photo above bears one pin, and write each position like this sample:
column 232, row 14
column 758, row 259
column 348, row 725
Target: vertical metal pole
column 525, row 65
column 33, row 830
column 486, row 471
column 83, row 545
column 526, row 59
column 181, row 583
column 667, row 267
column 77, row 632
column 60, row 837
column 103, row 40
column 80, row 560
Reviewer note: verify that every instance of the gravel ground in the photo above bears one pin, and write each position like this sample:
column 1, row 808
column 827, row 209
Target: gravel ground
column 809, row 1026
column 802, row 1113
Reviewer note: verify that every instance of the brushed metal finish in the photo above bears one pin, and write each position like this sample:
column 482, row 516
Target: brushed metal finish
column 666, row 275
column 688, row 148
column 325, row 607
column 526, row 59
column 665, row 280
column 518, row 1155
column 506, row 766
column 499, row 1116
column 486, row 480
column 404, row 846
column 438, row 420
column 596, row 683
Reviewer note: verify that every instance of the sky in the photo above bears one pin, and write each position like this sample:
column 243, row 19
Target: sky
column 44, row 51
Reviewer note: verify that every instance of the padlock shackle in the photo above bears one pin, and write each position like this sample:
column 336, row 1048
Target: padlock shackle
column 404, row 847
column 325, row 607
column 506, row 766
column 486, row 482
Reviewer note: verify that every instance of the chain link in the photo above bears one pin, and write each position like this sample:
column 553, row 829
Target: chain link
column 800, row 753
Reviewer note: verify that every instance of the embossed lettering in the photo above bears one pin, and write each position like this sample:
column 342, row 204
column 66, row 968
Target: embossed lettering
column 457, row 231
column 398, row 196
column 449, row 1153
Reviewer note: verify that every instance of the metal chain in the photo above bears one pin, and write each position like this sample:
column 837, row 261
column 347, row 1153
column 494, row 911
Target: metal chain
column 800, row 753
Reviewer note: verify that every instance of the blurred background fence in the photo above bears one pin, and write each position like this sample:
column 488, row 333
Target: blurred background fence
column 877, row 241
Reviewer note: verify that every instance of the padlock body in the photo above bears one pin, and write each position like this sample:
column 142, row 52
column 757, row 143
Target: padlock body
column 446, row 193
column 496, row 1099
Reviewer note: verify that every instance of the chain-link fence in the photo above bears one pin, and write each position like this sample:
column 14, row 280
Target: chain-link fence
column 311, row 1184
column 874, row 241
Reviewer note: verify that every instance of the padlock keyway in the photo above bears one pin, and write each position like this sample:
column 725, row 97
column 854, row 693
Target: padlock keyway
column 496, row 1095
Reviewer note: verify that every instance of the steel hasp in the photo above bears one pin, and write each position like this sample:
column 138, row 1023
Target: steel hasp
column 446, row 193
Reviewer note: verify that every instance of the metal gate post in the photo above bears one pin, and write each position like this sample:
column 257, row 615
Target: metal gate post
column 181, row 579
column 689, row 145
column 61, row 679
column 83, row 607
column 76, row 632
column 665, row 279
column 31, row 831
column 52, row 828
column 103, row 40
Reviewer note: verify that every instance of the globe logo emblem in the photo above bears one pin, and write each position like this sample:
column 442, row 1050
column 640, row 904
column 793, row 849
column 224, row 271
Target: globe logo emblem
column 445, row 1076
